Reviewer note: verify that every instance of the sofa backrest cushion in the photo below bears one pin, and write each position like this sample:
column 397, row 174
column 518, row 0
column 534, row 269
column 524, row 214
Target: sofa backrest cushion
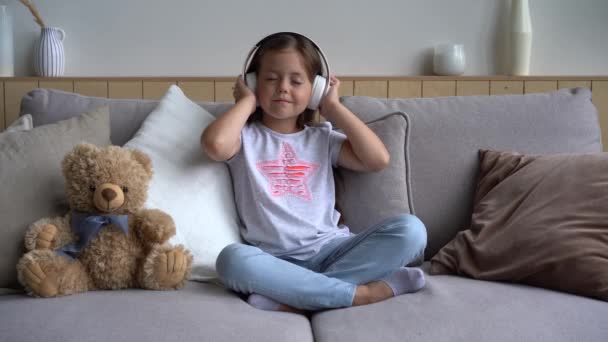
column 367, row 198
column 126, row 115
column 446, row 134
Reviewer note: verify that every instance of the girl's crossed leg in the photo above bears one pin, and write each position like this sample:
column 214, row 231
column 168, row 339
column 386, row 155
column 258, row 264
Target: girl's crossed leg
column 346, row 272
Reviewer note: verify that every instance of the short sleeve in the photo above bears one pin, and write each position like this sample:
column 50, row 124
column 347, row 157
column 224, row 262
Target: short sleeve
column 336, row 139
column 245, row 130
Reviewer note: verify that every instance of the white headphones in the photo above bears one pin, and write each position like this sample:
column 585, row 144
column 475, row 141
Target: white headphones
column 320, row 85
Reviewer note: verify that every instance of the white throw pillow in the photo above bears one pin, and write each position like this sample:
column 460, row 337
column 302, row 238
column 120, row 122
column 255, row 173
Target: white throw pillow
column 195, row 190
column 23, row 123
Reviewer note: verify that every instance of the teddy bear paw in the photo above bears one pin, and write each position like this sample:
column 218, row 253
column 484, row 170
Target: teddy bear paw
column 45, row 237
column 43, row 284
column 170, row 268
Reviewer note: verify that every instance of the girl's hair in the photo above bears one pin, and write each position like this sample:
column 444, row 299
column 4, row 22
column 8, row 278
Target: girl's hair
column 310, row 57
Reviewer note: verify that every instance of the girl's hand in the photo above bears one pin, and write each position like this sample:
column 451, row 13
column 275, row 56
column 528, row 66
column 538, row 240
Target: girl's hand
column 331, row 100
column 240, row 91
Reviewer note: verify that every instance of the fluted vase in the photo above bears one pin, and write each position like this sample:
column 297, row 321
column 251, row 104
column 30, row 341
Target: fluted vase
column 49, row 55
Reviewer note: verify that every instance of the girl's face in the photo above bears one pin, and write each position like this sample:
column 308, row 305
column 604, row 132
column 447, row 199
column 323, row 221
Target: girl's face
column 283, row 87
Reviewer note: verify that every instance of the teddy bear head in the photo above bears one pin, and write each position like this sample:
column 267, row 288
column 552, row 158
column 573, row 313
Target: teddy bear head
column 106, row 180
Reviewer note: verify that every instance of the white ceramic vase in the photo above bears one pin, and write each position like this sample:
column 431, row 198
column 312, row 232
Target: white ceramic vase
column 7, row 59
column 49, row 55
column 521, row 38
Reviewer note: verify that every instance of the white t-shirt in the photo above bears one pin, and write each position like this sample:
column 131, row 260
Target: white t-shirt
column 284, row 188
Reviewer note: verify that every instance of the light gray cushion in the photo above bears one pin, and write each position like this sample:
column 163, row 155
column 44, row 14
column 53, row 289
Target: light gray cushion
column 453, row 309
column 446, row 134
column 367, row 198
column 32, row 183
column 126, row 115
column 199, row 312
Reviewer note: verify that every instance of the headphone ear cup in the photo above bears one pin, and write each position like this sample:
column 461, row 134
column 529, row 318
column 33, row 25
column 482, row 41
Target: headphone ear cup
column 251, row 81
column 318, row 86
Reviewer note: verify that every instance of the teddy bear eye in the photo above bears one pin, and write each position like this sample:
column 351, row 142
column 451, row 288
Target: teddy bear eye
column 92, row 187
column 125, row 189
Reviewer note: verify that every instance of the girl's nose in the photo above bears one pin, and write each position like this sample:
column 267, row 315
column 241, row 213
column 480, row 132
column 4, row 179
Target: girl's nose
column 284, row 85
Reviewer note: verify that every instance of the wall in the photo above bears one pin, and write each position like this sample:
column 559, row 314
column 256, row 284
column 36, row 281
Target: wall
column 360, row 37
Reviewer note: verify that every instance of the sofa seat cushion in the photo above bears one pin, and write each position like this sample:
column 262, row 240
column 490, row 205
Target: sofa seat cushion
column 199, row 312
column 452, row 308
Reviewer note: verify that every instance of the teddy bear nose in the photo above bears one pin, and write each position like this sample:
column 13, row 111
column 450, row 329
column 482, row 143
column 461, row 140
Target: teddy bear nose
column 108, row 194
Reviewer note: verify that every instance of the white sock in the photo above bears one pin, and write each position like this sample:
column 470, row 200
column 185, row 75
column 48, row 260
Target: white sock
column 405, row 280
column 263, row 302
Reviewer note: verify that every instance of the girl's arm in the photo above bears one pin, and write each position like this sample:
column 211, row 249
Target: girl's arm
column 222, row 138
column 362, row 150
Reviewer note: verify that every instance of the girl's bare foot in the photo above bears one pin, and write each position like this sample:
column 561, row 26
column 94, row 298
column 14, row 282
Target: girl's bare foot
column 373, row 292
column 287, row 308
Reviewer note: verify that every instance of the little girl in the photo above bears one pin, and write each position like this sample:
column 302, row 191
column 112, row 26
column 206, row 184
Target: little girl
column 297, row 256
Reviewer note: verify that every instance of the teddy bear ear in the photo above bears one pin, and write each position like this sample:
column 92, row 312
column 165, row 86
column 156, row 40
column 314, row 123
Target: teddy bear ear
column 82, row 150
column 143, row 159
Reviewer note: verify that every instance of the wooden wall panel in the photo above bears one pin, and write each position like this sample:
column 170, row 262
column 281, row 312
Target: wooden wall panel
column 154, row 90
column 506, row 87
column 91, row 88
column 198, row 90
column 220, row 88
column 438, row 88
column 600, row 100
column 3, row 124
column 125, row 89
column 371, row 88
column 539, row 86
column 13, row 92
column 347, row 88
column 223, row 91
column 469, row 88
column 573, row 84
column 59, row 85
column 404, row 89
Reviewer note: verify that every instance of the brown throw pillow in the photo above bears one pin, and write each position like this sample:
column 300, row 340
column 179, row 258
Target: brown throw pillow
column 540, row 220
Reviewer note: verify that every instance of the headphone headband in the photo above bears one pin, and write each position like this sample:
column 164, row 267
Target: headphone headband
column 256, row 47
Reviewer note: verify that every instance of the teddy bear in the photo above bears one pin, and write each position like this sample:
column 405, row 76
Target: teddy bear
column 107, row 240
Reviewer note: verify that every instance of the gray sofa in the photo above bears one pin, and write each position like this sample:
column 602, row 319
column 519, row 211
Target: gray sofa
column 443, row 136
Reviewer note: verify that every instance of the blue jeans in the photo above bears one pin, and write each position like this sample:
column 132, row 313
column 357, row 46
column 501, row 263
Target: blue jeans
column 330, row 278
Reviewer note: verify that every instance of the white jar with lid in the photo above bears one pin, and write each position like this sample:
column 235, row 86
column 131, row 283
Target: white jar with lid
column 449, row 59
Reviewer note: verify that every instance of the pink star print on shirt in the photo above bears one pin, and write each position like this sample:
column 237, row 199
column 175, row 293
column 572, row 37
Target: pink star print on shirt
column 287, row 174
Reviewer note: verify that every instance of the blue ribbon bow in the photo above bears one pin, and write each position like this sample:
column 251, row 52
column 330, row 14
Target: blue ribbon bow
column 86, row 227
